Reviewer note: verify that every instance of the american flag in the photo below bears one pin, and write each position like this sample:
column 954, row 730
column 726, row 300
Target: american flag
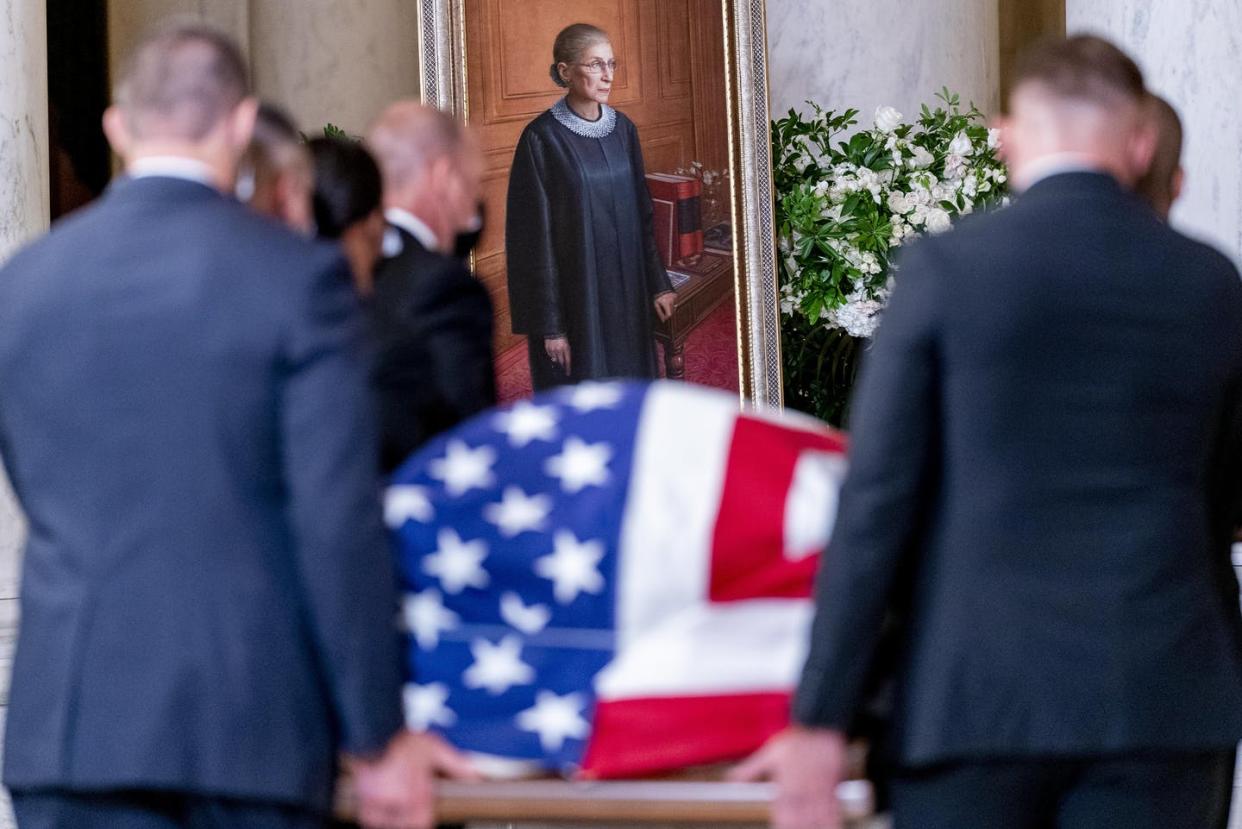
column 612, row 579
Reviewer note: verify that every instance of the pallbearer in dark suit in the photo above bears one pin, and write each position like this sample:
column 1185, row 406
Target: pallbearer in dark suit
column 208, row 596
column 1043, row 484
column 431, row 317
column 585, row 278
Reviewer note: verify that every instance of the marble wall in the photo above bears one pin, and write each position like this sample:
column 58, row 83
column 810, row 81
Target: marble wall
column 130, row 20
column 882, row 52
column 23, row 214
column 337, row 61
column 1189, row 50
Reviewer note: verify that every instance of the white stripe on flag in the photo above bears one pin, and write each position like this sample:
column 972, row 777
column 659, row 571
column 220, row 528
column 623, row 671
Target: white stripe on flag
column 680, row 456
column 712, row 650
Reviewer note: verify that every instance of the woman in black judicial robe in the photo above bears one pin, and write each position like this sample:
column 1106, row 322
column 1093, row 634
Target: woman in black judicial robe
column 586, row 283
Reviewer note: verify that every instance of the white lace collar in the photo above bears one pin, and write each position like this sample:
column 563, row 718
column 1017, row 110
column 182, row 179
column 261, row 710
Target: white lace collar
column 578, row 125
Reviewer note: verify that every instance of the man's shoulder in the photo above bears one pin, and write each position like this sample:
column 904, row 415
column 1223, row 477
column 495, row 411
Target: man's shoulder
column 415, row 263
column 420, row 276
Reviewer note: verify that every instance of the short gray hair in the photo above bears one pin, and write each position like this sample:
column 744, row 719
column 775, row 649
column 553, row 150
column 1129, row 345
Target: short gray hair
column 181, row 81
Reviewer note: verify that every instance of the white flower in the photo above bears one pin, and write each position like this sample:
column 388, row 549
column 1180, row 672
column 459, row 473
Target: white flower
column 994, row 138
column 954, row 166
column 899, row 202
column 938, row 221
column 970, row 187
column 943, row 191
column 922, row 159
column 887, row 119
column 802, row 162
column 961, row 144
column 859, row 316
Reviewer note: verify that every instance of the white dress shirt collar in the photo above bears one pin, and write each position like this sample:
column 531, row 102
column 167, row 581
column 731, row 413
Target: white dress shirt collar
column 412, row 225
column 172, row 166
column 1055, row 165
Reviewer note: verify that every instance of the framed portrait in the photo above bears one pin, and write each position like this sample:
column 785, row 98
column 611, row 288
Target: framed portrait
column 691, row 77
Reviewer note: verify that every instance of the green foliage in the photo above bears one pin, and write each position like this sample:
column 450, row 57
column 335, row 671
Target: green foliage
column 847, row 198
column 331, row 130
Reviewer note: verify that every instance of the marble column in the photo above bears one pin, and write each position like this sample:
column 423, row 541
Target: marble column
column 334, row 61
column 1189, row 51
column 863, row 54
column 24, row 202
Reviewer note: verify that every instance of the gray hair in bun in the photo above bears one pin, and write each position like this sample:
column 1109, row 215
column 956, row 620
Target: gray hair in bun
column 571, row 43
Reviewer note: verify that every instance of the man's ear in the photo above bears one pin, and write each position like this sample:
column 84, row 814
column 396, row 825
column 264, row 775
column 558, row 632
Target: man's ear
column 1142, row 148
column 1179, row 182
column 1004, row 123
column 442, row 175
column 241, row 122
column 117, row 131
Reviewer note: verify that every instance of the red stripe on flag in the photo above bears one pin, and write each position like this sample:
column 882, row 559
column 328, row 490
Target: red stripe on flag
column 634, row 737
column 748, row 548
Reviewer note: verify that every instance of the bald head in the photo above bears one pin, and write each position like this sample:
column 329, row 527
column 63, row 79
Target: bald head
column 431, row 166
column 181, row 83
column 409, row 138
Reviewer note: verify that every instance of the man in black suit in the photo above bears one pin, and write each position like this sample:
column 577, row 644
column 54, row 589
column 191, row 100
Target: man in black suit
column 431, row 317
column 208, row 596
column 1044, row 474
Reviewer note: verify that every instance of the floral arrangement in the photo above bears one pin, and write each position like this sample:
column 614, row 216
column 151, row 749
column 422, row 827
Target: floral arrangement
column 844, row 206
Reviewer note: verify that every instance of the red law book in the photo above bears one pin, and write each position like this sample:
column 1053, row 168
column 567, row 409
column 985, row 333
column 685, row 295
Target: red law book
column 678, row 216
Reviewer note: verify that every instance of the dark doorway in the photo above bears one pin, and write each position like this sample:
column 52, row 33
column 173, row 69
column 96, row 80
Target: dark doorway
column 77, row 79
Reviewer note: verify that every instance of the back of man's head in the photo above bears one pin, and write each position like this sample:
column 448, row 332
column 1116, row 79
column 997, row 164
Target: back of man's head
column 1162, row 184
column 408, row 139
column 180, row 83
column 1079, row 95
column 1082, row 68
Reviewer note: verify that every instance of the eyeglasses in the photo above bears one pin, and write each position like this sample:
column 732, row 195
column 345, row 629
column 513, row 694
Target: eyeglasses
column 597, row 67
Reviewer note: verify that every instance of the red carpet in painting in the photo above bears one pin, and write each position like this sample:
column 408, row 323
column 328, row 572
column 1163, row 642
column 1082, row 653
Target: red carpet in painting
column 711, row 358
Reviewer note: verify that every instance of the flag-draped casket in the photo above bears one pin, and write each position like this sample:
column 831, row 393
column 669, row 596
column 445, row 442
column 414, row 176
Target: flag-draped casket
column 612, row 579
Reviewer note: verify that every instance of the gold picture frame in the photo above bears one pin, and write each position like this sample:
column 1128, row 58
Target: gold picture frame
column 442, row 72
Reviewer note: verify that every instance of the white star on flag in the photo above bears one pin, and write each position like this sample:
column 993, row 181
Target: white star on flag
column 518, row 512
column 463, row 469
column 529, row 620
column 587, row 397
column 407, row 503
column 427, row 705
column 497, row 667
column 580, row 465
column 526, row 422
column 555, row 719
column 426, row 617
column 457, row 564
column 572, row 567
